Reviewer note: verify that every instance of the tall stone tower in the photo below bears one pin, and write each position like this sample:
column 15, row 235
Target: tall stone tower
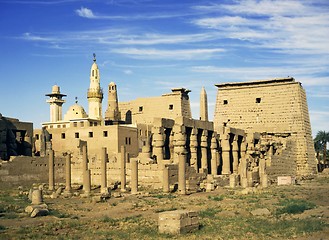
column 112, row 113
column 95, row 93
column 275, row 106
column 56, row 103
column 203, row 105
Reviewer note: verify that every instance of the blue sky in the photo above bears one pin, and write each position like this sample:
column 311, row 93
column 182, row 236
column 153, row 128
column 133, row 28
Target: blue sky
column 148, row 47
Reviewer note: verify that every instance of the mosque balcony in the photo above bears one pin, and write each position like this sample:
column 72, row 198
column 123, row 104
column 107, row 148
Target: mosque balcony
column 95, row 93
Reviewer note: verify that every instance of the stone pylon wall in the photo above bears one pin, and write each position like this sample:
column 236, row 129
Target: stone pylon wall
column 274, row 106
column 283, row 162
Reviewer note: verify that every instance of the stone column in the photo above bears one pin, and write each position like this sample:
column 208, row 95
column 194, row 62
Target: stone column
column 87, row 181
column 146, row 148
column 179, row 142
column 204, row 146
column 269, row 155
column 49, row 147
column 165, row 183
column 158, row 143
column 243, row 172
column 181, row 174
column 36, row 196
column 226, row 147
column 103, row 171
column 134, row 176
column 235, row 150
column 51, row 170
column 123, row 168
column 262, row 166
column 85, row 171
column 194, row 149
column 233, row 180
column 214, row 154
column 264, row 181
column 243, row 148
column 171, row 145
column 68, row 173
column 250, row 179
column 84, row 163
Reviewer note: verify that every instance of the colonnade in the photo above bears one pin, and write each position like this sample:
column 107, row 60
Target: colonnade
column 204, row 149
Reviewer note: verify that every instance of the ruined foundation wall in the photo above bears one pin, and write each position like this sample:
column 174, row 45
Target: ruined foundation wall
column 276, row 106
column 282, row 163
column 26, row 170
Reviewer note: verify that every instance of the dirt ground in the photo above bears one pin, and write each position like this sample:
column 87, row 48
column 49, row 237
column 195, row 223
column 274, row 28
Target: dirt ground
column 223, row 214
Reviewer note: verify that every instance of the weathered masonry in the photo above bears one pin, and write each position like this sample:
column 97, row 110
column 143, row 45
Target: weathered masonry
column 275, row 107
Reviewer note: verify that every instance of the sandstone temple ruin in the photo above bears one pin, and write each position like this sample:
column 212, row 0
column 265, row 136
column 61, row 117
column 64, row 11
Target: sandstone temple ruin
column 261, row 130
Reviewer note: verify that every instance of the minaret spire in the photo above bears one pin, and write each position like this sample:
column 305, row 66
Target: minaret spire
column 203, row 105
column 56, row 103
column 95, row 93
column 112, row 113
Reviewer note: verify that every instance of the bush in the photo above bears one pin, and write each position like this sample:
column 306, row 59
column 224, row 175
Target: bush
column 216, row 198
column 208, row 213
column 111, row 221
column 294, row 206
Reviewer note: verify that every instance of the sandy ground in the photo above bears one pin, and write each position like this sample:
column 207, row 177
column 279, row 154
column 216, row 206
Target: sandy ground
column 147, row 204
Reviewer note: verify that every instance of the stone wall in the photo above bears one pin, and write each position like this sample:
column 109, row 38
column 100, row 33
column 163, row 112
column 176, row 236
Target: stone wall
column 283, row 161
column 144, row 110
column 15, row 138
column 26, row 170
column 67, row 140
column 276, row 106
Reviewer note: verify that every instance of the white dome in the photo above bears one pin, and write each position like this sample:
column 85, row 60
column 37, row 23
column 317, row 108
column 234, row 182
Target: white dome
column 75, row 111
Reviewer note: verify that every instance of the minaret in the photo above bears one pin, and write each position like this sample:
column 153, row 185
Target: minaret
column 203, row 105
column 95, row 93
column 112, row 113
column 56, row 103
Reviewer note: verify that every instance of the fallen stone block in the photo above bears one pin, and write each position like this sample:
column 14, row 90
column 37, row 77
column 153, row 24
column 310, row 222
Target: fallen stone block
column 37, row 212
column 178, row 222
column 29, row 209
column 210, row 187
column 54, row 195
column 261, row 212
column 96, row 199
column 60, row 190
column 286, row 180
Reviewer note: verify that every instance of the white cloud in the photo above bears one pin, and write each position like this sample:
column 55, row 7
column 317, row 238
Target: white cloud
column 218, row 22
column 264, row 7
column 292, row 27
column 303, row 74
column 88, row 13
column 128, row 71
column 31, row 37
column 85, row 12
column 319, row 121
column 152, row 38
column 180, row 54
column 268, row 7
column 41, row 2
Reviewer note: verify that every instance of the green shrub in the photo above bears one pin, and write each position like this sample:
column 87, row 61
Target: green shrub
column 58, row 214
column 160, row 196
column 217, row 198
column 208, row 213
column 165, row 209
column 111, row 221
column 294, row 206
